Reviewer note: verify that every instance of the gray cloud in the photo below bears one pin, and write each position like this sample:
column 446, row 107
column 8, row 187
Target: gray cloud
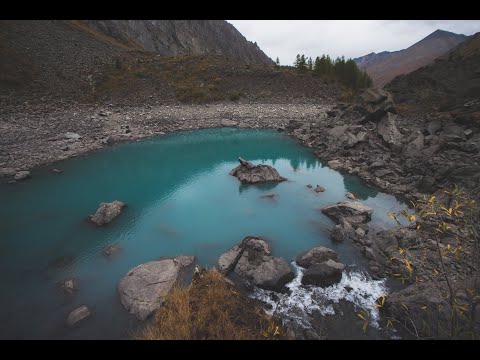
column 352, row 38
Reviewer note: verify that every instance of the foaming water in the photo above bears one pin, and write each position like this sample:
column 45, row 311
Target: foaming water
column 181, row 200
column 299, row 304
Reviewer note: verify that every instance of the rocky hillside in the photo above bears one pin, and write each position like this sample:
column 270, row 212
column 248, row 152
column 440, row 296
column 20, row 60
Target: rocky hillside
column 180, row 37
column 384, row 66
column 58, row 61
column 451, row 83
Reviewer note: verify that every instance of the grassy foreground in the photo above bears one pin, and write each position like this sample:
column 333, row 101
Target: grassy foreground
column 211, row 309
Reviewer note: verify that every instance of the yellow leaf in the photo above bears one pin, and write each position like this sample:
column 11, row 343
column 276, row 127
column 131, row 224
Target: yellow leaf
column 390, row 215
column 448, row 246
column 365, row 327
column 389, row 323
column 413, row 217
column 418, row 226
column 423, row 307
column 361, row 317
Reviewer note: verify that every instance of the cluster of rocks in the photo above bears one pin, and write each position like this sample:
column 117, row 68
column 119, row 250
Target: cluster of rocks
column 401, row 155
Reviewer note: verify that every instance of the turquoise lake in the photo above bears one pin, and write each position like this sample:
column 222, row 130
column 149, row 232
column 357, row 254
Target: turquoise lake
column 181, row 200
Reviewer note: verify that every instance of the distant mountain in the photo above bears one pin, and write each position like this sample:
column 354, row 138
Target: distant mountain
column 450, row 83
column 384, row 66
column 182, row 37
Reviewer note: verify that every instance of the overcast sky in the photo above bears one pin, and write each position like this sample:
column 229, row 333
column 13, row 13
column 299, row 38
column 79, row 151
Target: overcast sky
column 352, row 38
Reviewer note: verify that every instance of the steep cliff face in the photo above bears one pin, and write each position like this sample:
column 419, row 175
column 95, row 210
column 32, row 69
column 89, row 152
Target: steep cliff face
column 385, row 66
column 179, row 37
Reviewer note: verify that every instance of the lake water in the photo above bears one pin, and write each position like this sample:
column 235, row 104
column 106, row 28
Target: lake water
column 181, row 200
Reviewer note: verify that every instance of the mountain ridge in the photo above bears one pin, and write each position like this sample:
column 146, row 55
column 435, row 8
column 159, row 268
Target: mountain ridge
column 386, row 65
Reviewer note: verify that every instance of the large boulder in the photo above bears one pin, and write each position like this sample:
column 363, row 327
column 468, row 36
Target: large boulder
column 352, row 211
column 143, row 289
column 316, row 255
column 374, row 103
column 78, row 314
column 22, row 175
column 324, row 274
column 389, row 132
column 248, row 173
column 273, row 274
column 106, row 212
column 251, row 260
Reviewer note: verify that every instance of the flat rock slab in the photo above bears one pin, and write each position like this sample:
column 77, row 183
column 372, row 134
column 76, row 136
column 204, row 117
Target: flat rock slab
column 353, row 211
column 78, row 314
column 106, row 212
column 143, row 289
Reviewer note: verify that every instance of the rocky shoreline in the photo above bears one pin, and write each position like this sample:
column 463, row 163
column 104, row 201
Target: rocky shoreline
column 37, row 135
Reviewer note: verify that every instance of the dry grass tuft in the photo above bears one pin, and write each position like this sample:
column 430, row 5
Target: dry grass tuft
column 211, row 309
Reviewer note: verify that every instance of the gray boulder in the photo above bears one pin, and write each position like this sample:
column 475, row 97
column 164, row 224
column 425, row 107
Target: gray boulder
column 143, row 289
column 319, row 189
column 4, row 172
column 248, row 173
column 251, row 260
column 69, row 285
column 273, row 274
column 72, row 136
column 324, row 274
column 352, row 211
column 78, row 314
column 374, row 103
column 316, row 255
column 388, row 130
column 22, row 175
column 229, row 123
column 106, row 212
column 350, row 196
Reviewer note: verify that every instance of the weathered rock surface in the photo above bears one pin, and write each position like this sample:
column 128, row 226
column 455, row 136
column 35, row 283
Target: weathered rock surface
column 316, row 255
column 352, row 212
column 248, row 173
column 78, row 315
column 143, row 289
column 324, row 274
column 106, row 212
column 319, row 189
column 389, row 132
column 229, row 123
column 251, row 260
column 22, row 175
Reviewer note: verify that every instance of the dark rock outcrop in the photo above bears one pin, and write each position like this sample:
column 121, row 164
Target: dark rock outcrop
column 248, row 173
column 106, row 212
column 324, row 274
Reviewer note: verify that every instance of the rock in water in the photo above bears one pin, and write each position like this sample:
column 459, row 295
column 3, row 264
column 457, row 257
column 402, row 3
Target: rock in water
column 352, row 211
column 106, row 212
column 324, row 274
column 143, row 289
column 316, row 255
column 273, row 274
column 111, row 250
column 69, row 285
column 251, row 261
column 22, row 175
column 350, row 196
column 319, row 189
column 248, row 173
column 78, row 314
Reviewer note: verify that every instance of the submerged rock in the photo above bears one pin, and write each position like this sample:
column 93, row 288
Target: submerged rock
column 319, row 189
column 69, row 285
column 78, row 314
column 248, row 173
column 111, row 250
column 316, row 255
column 143, row 289
column 106, row 212
column 324, row 274
column 352, row 211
